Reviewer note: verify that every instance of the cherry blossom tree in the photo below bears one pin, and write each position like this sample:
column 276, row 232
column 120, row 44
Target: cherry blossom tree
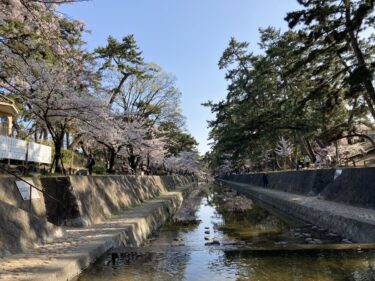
column 119, row 107
column 284, row 149
column 44, row 66
column 184, row 162
column 33, row 31
column 135, row 114
column 56, row 97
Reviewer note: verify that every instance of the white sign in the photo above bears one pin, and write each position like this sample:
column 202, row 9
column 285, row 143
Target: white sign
column 24, row 189
column 11, row 148
column 39, row 153
column 337, row 174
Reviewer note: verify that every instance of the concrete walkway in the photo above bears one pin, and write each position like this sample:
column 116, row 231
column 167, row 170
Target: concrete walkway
column 66, row 257
column 356, row 223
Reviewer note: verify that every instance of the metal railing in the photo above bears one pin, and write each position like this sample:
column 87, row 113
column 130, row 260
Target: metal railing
column 31, row 187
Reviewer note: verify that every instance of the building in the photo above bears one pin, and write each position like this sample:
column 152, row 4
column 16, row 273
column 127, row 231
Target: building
column 8, row 111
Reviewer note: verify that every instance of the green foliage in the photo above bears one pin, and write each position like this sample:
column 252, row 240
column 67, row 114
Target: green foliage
column 176, row 141
column 300, row 87
column 123, row 58
column 334, row 32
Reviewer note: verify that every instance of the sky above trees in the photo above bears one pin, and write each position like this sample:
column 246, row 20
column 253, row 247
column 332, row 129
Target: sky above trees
column 185, row 37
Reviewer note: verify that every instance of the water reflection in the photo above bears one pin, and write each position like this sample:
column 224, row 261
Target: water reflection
column 179, row 252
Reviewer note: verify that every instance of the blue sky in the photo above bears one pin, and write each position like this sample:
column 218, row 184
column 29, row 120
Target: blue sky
column 186, row 38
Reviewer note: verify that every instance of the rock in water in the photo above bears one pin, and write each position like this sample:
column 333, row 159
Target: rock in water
column 213, row 243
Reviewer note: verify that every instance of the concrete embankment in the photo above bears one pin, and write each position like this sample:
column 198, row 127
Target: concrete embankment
column 66, row 257
column 90, row 200
column 80, row 201
column 354, row 186
column 111, row 211
column 22, row 225
column 341, row 202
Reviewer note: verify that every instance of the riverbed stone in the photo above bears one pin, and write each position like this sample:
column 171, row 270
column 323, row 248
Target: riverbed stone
column 281, row 243
column 213, row 243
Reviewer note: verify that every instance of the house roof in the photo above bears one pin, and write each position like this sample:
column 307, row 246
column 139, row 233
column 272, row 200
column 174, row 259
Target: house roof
column 5, row 99
column 7, row 105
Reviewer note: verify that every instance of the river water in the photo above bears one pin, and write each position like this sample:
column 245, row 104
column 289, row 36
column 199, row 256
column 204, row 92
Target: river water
column 254, row 245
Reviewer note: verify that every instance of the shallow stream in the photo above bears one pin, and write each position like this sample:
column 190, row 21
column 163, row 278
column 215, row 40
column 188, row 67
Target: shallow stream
column 235, row 240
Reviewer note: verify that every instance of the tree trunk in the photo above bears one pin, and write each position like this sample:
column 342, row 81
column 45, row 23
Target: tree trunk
column 133, row 159
column 337, row 152
column 370, row 105
column 134, row 162
column 57, row 163
column 366, row 97
column 111, row 160
column 67, row 140
column 117, row 90
column 36, row 135
column 367, row 77
column 310, row 151
column 45, row 134
column 76, row 141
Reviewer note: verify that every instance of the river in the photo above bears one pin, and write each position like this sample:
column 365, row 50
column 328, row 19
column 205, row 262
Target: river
column 235, row 240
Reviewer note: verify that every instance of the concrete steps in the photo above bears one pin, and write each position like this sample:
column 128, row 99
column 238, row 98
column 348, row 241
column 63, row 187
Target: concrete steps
column 66, row 257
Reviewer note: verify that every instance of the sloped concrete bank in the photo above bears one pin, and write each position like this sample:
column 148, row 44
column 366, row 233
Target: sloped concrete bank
column 65, row 258
column 21, row 230
column 355, row 223
column 115, row 210
column 22, row 225
column 93, row 199
column 81, row 201
column 354, row 186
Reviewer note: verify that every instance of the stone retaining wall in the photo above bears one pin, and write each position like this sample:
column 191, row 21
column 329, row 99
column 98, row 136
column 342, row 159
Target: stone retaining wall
column 20, row 230
column 357, row 230
column 93, row 199
column 354, row 186
column 66, row 257
column 82, row 200
column 9, row 194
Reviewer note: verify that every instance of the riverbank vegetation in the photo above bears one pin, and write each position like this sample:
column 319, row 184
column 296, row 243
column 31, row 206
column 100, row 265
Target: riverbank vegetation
column 308, row 95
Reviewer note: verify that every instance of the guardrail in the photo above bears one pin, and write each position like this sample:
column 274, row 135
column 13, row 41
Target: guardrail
column 31, row 187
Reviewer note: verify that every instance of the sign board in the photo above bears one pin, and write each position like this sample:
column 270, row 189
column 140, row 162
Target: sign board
column 11, row 148
column 337, row 174
column 39, row 153
column 24, row 189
